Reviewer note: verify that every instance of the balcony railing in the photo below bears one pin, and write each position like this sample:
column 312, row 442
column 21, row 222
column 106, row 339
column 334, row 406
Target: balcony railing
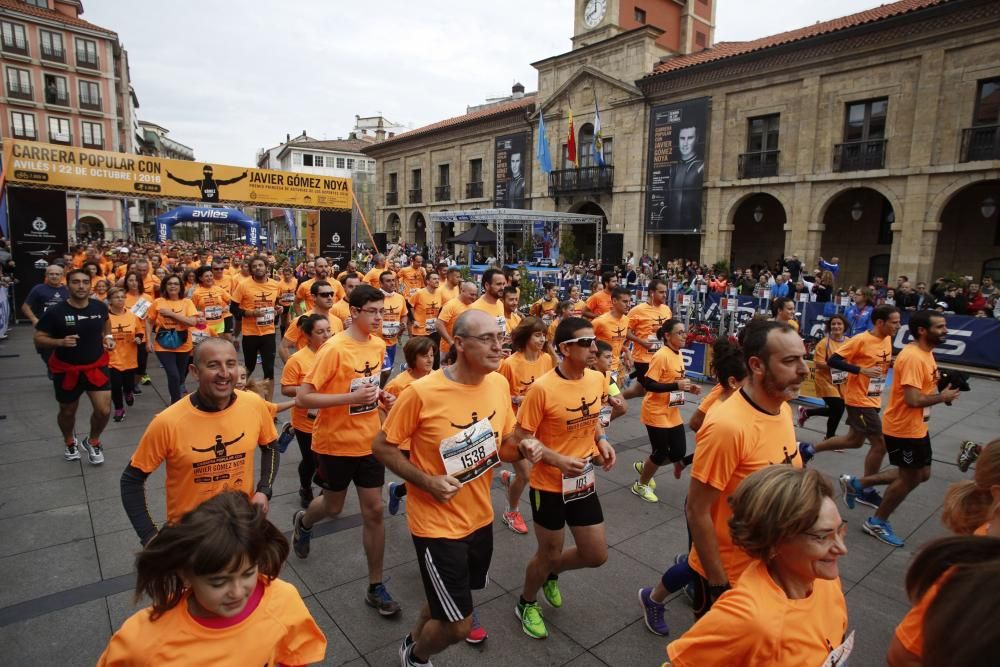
column 93, row 143
column 584, row 179
column 55, row 55
column 859, row 155
column 474, row 190
column 19, row 46
column 759, row 164
column 442, row 193
column 981, row 143
column 392, row 199
column 60, row 138
column 24, row 134
column 57, row 97
column 416, row 196
column 88, row 60
column 19, row 91
column 92, row 103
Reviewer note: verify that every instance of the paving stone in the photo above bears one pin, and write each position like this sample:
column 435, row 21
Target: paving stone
column 339, row 650
column 33, row 574
column 75, row 636
column 117, row 552
column 65, row 492
column 27, row 532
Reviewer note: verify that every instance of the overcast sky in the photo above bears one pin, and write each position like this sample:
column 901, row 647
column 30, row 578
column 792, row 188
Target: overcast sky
column 228, row 78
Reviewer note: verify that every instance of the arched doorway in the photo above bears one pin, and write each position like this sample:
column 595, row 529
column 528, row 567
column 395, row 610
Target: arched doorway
column 970, row 231
column 758, row 232
column 583, row 238
column 419, row 226
column 90, row 228
column 858, row 232
column 393, row 228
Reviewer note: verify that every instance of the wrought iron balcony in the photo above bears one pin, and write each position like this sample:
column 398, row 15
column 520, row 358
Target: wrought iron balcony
column 981, row 143
column 24, row 134
column 584, row 179
column 416, row 196
column 474, row 190
column 54, row 55
column 442, row 193
column 17, row 45
column 92, row 103
column 759, row 164
column 88, row 60
column 19, row 91
column 859, row 155
column 59, row 98
column 392, row 199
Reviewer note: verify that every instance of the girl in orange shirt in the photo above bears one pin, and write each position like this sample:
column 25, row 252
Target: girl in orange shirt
column 123, row 359
column 101, row 287
column 135, row 294
column 217, row 599
column 829, row 382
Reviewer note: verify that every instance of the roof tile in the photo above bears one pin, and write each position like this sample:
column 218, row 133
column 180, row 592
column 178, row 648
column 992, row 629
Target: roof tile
column 52, row 15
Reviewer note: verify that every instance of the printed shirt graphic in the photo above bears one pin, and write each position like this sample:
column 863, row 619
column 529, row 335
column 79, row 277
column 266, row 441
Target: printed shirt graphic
column 252, row 295
column 293, row 375
column 341, row 361
column 737, row 439
column 614, row 331
column 521, row 373
column 756, row 625
column 563, row 414
column 431, row 410
column 392, row 320
column 666, row 367
column 124, row 327
column 214, row 302
column 864, row 350
column 280, row 631
column 644, row 321
column 426, row 306
column 206, row 453
column 913, row 368
column 446, row 318
column 179, row 306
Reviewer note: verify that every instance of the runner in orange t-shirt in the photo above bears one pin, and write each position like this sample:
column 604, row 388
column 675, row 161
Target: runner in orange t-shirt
column 545, row 307
column 449, row 314
column 450, row 285
column 412, row 277
column 562, row 410
column 123, row 359
column 612, row 327
column 172, row 312
column 425, row 308
column 458, row 422
column 372, row 277
column 344, row 386
column 287, row 285
column 394, row 322
column 829, row 383
column 491, row 302
column 643, row 322
column 213, row 302
column 600, row 301
column 511, row 317
column 294, row 339
column 236, row 611
column 257, row 299
column 303, row 296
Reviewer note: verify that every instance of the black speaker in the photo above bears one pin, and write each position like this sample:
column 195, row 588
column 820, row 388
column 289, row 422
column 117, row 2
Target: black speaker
column 612, row 251
column 381, row 241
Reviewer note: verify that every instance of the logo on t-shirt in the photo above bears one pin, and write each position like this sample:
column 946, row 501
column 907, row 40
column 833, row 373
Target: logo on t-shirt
column 586, row 418
column 476, row 420
column 525, row 385
column 789, row 456
column 219, row 448
column 366, row 371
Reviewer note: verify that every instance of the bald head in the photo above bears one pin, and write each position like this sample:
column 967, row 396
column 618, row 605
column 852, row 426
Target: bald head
column 213, row 349
column 474, row 323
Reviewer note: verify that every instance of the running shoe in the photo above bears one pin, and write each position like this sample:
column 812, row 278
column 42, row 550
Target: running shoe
column 94, row 452
column 532, row 623
column 119, row 415
column 72, row 452
column 967, row 455
column 871, row 498
column 477, row 635
column 406, row 654
column 393, row 498
column 644, row 492
column 382, row 601
column 851, row 489
column 652, row 482
column 145, row 379
column 653, row 613
column 515, row 522
column 300, row 536
column 803, row 416
column 807, row 452
column 130, row 398
column 882, row 531
column 550, row 589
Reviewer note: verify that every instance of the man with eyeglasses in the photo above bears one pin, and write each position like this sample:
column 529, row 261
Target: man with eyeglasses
column 562, row 410
column 303, row 295
column 459, row 424
column 294, row 340
column 344, row 386
column 393, row 321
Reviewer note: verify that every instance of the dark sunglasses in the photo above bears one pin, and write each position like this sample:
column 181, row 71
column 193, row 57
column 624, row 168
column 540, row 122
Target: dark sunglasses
column 585, row 341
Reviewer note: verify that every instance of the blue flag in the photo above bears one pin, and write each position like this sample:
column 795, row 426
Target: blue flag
column 542, row 150
column 598, row 137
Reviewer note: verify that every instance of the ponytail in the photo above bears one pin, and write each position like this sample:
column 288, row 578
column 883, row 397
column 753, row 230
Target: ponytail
column 967, row 504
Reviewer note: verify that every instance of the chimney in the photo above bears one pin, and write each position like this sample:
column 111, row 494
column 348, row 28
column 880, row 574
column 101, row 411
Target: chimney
column 517, row 91
column 288, row 137
column 392, row 134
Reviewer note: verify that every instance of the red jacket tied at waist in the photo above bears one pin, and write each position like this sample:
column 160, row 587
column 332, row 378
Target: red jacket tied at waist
column 91, row 371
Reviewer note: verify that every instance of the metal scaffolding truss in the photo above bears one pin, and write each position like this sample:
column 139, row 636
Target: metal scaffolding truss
column 516, row 218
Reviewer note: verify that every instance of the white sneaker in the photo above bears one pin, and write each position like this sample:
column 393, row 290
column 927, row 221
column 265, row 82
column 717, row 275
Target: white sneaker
column 94, row 452
column 72, row 452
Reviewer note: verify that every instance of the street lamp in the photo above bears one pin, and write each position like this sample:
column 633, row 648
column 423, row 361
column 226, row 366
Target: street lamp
column 758, row 214
column 857, row 211
column 988, row 207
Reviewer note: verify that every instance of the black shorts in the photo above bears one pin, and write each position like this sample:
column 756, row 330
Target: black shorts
column 702, row 600
column 911, row 453
column 82, row 385
column 866, row 420
column 549, row 511
column 335, row 473
column 669, row 444
column 640, row 369
column 452, row 569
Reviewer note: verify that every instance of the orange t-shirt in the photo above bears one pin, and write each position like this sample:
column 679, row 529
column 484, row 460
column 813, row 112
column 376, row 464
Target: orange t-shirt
column 412, row 280
column 396, row 386
column 446, row 319
column 226, row 282
column 280, row 631
column 644, row 321
column 825, row 349
column 662, row 409
column 181, row 307
column 342, row 311
column 737, row 439
column 124, row 327
column 252, row 295
column 494, row 310
column 425, row 307
column 512, row 321
column 521, row 373
column 206, row 453
column 910, row 631
column 710, row 399
column 151, row 285
column 614, row 331
column 599, row 302
column 214, row 302
column 864, row 350
column 294, row 335
column 431, row 410
column 913, row 368
column 294, row 374
column 372, row 277
column 286, row 295
column 756, row 625
column 564, row 415
column 303, row 292
column 392, row 321
column 544, row 309
column 578, row 306
column 447, row 293
column 346, row 430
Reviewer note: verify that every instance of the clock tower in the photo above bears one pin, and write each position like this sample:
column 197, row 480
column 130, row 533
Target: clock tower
column 688, row 25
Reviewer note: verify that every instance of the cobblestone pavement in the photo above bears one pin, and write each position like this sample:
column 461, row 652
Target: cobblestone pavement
column 67, row 549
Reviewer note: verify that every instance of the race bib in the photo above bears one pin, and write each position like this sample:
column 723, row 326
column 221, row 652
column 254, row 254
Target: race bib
column 654, row 344
column 839, row 655
column 141, row 307
column 838, row 377
column 502, row 323
column 676, row 399
column 358, row 383
column 605, row 415
column 265, row 316
column 287, row 298
column 547, row 319
column 213, row 312
column 431, row 326
column 470, row 453
column 577, row 487
column 198, row 335
column 875, row 388
column 390, row 329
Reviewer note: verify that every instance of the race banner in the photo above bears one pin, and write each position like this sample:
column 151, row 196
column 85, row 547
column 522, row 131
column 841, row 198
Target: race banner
column 677, row 149
column 511, row 164
column 34, row 164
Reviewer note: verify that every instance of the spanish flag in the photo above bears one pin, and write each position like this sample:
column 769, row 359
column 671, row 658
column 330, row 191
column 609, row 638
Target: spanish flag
column 571, row 142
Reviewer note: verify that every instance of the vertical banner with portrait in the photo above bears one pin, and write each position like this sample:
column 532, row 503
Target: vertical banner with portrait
column 511, row 162
column 335, row 236
column 39, row 232
column 677, row 148
column 545, row 242
column 311, row 219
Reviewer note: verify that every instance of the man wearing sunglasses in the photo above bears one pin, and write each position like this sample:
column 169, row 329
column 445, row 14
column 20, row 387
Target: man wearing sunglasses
column 294, row 340
column 562, row 410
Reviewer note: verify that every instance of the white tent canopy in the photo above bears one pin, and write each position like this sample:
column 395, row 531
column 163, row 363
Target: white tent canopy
column 502, row 218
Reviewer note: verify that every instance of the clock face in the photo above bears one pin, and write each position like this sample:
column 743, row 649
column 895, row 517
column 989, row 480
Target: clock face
column 593, row 12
